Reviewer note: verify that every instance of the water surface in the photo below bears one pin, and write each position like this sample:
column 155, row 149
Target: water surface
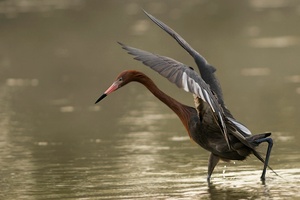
column 57, row 57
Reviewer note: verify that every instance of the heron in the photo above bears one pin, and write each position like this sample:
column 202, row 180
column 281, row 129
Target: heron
column 210, row 124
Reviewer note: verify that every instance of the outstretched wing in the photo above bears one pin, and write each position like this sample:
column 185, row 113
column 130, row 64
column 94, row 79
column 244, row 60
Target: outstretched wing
column 184, row 77
column 206, row 70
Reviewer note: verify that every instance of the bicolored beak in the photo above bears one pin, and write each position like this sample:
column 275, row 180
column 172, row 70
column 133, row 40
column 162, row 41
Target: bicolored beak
column 111, row 89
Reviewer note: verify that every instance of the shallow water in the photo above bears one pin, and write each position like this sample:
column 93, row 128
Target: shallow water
column 56, row 57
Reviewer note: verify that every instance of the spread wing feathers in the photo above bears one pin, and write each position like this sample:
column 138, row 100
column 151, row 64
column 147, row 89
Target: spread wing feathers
column 178, row 38
column 206, row 70
column 184, row 77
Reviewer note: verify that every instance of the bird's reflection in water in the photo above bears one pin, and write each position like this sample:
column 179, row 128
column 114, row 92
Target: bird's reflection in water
column 228, row 193
column 220, row 191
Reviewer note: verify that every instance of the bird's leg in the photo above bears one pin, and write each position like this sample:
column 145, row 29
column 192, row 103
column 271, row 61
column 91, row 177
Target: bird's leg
column 212, row 162
column 270, row 145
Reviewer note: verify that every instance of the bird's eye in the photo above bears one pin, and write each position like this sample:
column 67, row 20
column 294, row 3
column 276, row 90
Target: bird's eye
column 120, row 79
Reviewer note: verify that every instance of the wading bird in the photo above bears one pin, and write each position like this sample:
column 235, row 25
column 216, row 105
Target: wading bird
column 210, row 124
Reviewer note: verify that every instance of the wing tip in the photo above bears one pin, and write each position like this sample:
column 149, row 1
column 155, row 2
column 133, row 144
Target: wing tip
column 123, row 46
column 146, row 13
column 120, row 43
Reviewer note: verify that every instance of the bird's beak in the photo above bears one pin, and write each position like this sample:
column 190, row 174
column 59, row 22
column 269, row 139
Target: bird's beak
column 111, row 89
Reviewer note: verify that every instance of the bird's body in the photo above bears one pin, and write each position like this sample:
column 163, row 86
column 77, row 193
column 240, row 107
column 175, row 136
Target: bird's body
column 210, row 124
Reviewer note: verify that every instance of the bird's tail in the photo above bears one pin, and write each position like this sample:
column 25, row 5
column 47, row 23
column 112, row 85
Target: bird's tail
column 253, row 140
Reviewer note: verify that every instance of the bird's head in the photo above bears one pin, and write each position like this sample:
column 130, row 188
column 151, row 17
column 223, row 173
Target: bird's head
column 122, row 79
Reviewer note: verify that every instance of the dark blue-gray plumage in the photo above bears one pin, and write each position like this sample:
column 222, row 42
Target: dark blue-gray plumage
column 184, row 77
column 211, row 125
column 206, row 70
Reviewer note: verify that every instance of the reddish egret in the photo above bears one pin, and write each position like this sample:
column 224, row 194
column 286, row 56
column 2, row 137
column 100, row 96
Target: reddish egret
column 211, row 125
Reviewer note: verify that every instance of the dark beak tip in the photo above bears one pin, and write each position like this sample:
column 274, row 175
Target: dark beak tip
column 100, row 98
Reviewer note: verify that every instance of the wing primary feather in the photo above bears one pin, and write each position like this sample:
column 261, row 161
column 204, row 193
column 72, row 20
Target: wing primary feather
column 206, row 70
column 177, row 37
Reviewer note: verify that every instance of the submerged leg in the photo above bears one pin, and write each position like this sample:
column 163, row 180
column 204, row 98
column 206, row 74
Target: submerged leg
column 270, row 145
column 212, row 162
